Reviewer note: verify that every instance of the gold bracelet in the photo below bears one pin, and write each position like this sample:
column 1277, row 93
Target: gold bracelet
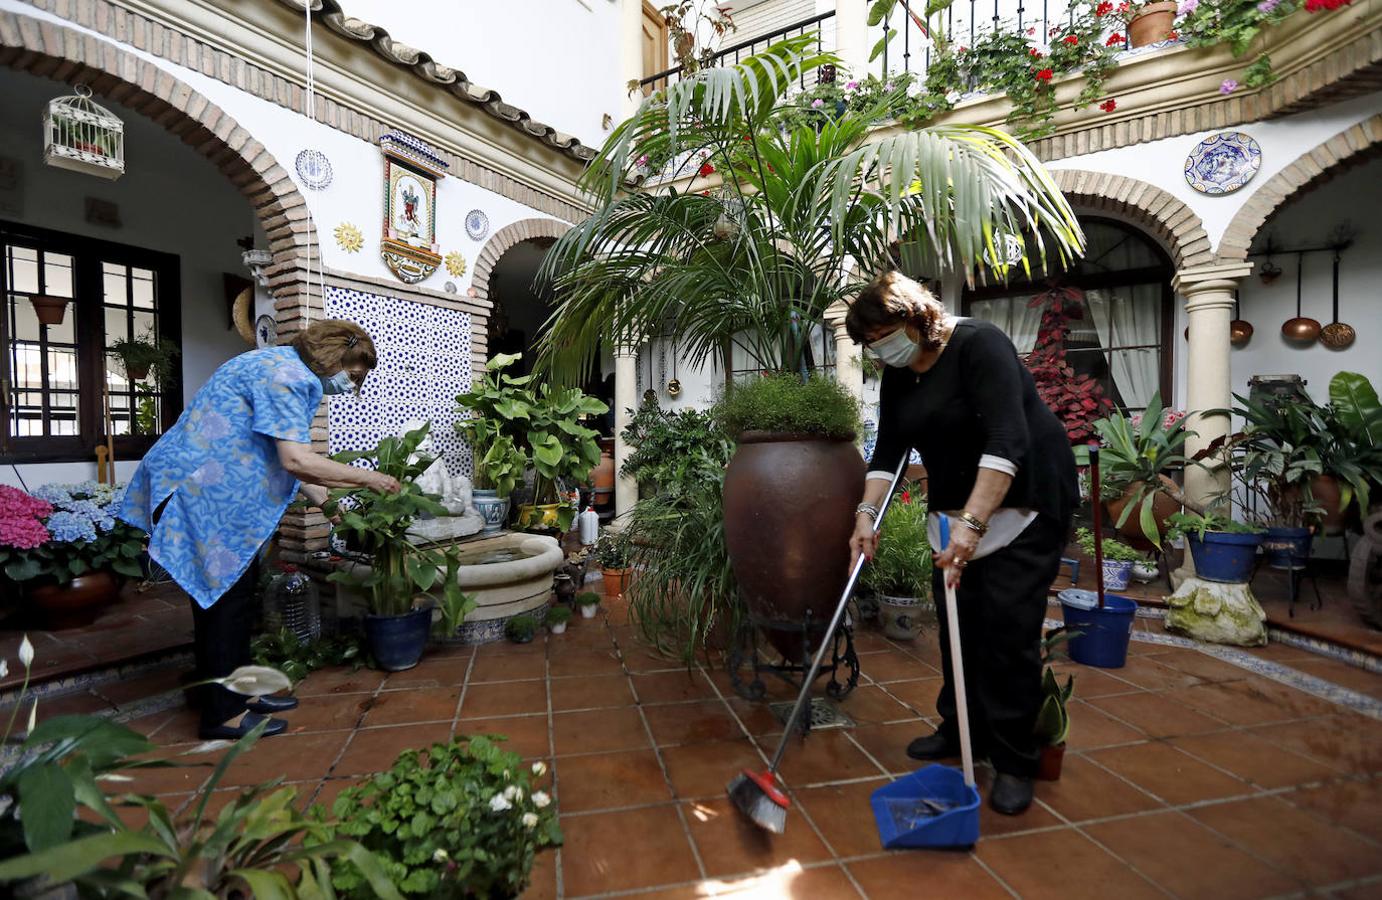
column 973, row 523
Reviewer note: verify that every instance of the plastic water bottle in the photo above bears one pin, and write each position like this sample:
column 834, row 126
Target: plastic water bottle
column 291, row 601
column 589, row 522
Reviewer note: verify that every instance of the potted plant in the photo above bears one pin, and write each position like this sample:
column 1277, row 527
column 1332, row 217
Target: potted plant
column 1119, row 559
column 1078, row 400
column 557, row 617
column 674, row 453
column 900, row 573
column 1053, row 723
column 520, row 629
column 141, row 356
column 562, row 451
column 1138, row 456
column 499, row 408
column 612, row 553
column 401, row 581
column 1223, row 550
column 1149, row 23
column 589, row 604
column 1352, row 456
column 765, row 283
column 66, row 549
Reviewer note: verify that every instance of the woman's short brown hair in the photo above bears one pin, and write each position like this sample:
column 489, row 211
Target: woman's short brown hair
column 893, row 299
column 331, row 345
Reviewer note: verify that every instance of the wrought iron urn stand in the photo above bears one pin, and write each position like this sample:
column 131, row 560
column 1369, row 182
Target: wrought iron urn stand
column 746, row 650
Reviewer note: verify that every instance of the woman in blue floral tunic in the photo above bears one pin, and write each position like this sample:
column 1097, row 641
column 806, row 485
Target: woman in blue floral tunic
column 211, row 492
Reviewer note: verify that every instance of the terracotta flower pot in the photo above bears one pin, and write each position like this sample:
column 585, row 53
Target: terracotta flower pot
column 136, row 373
column 1152, row 23
column 77, row 602
column 1325, row 489
column 1049, row 766
column 1163, row 507
column 616, row 581
column 49, row 310
column 789, row 512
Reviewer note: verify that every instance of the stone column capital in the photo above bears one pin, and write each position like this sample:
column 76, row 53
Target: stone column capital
column 835, row 315
column 1218, row 278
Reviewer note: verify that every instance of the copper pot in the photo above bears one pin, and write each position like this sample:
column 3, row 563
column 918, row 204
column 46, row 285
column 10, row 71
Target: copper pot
column 1301, row 330
column 1338, row 336
column 1239, row 333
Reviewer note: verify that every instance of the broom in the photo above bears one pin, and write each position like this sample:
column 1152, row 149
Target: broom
column 759, row 795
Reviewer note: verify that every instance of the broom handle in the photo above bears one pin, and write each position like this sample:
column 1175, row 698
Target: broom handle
column 1096, row 496
column 957, row 665
column 826, row 641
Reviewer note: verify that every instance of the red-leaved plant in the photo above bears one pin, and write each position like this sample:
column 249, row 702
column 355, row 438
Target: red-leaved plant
column 1077, row 400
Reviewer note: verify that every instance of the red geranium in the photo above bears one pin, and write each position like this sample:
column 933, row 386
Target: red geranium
column 1109, row 105
column 1044, row 75
column 1173, row 35
column 706, row 169
column 1036, row 54
column 906, row 496
column 1114, row 39
column 1071, row 39
column 1103, row 9
column 1315, row 6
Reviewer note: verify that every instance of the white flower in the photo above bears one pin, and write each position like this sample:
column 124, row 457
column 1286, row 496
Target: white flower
column 4, row 668
column 539, row 767
column 513, row 792
column 541, row 800
column 499, row 803
column 508, row 776
column 440, row 855
column 26, row 652
column 952, row 97
column 33, row 715
column 530, row 820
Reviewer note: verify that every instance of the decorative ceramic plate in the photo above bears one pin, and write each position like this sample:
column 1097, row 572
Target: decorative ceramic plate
column 266, row 331
column 314, row 169
column 476, row 225
column 1223, row 163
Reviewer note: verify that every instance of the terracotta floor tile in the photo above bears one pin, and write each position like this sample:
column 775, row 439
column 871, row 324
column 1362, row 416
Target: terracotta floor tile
column 1295, row 701
column 620, row 851
column 888, row 744
column 1026, row 863
column 432, row 672
column 125, row 692
column 1086, row 791
column 1349, row 802
column 405, row 707
column 508, row 667
column 1370, row 889
column 375, row 749
column 591, row 692
column 1208, row 668
column 871, row 705
column 186, row 774
column 1158, row 715
column 599, row 731
column 1350, row 743
column 898, row 875
column 697, row 891
column 1248, row 756
column 1091, row 682
column 610, row 781
column 891, row 665
column 603, row 662
column 757, row 717
column 330, row 789
column 843, row 814
column 641, row 659
column 339, row 680
column 504, row 699
column 1091, row 728
column 1188, row 860
column 1152, row 674
column 1295, row 841
column 176, row 726
column 526, row 735
column 824, row 756
column 730, row 845
column 827, row 882
column 705, row 770
column 672, row 687
column 292, row 757
column 870, row 640
column 1332, row 670
column 692, row 723
column 1235, row 702
column 1163, row 771
column 542, row 879
column 327, row 712
column 920, row 695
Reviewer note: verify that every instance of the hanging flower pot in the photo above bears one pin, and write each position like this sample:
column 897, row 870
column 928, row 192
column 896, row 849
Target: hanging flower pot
column 1152, row 23
column 49, row 310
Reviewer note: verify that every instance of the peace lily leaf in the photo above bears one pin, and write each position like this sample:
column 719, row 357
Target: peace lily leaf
column 255, row 681
column 66, row 861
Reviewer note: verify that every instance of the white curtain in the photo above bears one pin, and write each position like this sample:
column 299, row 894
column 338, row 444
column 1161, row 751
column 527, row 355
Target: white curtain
column 1012, row 315
column 1130, row 318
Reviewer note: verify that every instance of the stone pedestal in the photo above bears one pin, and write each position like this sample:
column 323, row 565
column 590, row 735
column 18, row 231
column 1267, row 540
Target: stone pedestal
column 1217, row 613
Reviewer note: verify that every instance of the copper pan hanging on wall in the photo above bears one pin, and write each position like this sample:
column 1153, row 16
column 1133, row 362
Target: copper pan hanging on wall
column 1239, row 331
column 1302, row 330
column 1337, row 335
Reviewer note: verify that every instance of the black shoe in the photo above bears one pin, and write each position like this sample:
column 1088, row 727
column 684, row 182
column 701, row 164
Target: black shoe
column 933, row 746
column 1010, row 794
column 269, row 704
column 247, row 724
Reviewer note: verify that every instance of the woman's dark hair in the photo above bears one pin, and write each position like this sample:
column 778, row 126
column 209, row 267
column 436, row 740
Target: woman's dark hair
column 331, row 345
column 893, row 299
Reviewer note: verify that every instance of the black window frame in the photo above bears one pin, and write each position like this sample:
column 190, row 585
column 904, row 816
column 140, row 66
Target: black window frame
column 88, row 306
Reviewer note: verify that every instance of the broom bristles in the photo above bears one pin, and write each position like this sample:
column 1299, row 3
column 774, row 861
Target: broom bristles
column 756, row 801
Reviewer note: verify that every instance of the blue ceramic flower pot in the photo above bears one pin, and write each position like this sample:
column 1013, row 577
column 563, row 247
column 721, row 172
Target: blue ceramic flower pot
column 397, row 642
column 1224, row 557
column 1287, row 548
column 494, row 508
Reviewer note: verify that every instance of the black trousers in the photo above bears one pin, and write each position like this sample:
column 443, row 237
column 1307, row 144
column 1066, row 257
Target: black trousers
column 1002, row 606
column 221, row 640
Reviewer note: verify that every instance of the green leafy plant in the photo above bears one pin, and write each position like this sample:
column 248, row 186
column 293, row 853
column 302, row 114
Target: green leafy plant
column 1276, row 455
column 454, row 605
column 1184, row 524
column 1353, row 452
column 147, row 354
column 1137, row 458
column 675, row 451
column 378, row 522
column 60, row 531
column 456, row 820
column 612, row 550
column 297, row 659
column 1240, row 24
column 818, row 406
column 589, row 598
column 500, row 408
column 1113, row 549
column 563, row 449
column 520, row 629
column 558, row 614
column 901, row 567
column 1053, row 720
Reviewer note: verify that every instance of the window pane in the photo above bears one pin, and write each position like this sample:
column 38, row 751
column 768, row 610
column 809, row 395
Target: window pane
column 23, row 271
column 57, row 275
column 144, row 326
column 62, row 368
column 143, row 287
column 25, row 320
column 66, row 331
column 117, row 326
column 115, row 287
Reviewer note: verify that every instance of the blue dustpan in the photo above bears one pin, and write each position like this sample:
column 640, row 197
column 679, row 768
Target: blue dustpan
column 907, row 817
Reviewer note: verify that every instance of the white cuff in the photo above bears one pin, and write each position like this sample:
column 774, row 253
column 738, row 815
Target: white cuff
column 879, row 475
column 998, row 464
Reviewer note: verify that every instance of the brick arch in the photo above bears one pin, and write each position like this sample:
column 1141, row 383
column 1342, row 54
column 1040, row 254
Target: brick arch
column 505, row 238
column 1341, row 152
column 1155, row 210
column 63, row 54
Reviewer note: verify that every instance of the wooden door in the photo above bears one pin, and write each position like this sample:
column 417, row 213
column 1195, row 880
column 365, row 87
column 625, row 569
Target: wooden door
column 655, row 40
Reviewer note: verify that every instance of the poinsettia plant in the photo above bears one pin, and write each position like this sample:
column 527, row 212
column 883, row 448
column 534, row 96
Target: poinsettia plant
column 1077, row 399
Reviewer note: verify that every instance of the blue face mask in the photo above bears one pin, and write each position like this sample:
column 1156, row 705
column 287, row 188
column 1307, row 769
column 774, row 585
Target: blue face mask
column 340, row 383
column 897, row 349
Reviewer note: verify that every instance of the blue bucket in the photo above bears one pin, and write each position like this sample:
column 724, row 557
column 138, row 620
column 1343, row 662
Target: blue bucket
column 904, row 820
column 1100, row 636
column 1224, row 557
column 397, row 642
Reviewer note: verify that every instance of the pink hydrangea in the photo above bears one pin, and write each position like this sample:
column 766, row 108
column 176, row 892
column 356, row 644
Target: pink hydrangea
column 16, row 504
column 22, row 533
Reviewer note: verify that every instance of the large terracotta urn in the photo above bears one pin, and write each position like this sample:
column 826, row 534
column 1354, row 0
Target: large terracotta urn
column 78, row 602
column 1325, row 490
column 603, row 476
column 1163, row 507
column 789, row 512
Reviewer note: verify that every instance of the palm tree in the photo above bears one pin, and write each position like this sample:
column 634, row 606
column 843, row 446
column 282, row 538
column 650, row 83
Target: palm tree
column 801, row 217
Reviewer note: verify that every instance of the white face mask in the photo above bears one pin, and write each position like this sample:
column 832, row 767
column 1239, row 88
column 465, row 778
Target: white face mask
column 897, row 349
column 340, row 383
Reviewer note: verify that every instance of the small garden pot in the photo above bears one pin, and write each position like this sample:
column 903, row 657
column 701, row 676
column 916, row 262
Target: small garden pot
column 902, row 618
column 1152, row 23
column 493, row 508
column 589, row 610
column 1048, row 767
column 1100, row 636
column 1224, row 557
column 1117, row 574
column 1287, row 548
column 49, row 310
column 558, row 627
column 1145, row 572
column 616, row 581
column 397, row 642
column 78, row 602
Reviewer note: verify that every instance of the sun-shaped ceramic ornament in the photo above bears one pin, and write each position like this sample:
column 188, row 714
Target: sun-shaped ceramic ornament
column 349, row 238
column 455, row 264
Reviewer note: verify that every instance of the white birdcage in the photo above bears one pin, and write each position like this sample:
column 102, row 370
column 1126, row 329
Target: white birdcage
column 82, row 136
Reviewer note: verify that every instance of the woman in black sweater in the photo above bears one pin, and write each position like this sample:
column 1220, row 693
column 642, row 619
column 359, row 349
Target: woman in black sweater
column 999, row 463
